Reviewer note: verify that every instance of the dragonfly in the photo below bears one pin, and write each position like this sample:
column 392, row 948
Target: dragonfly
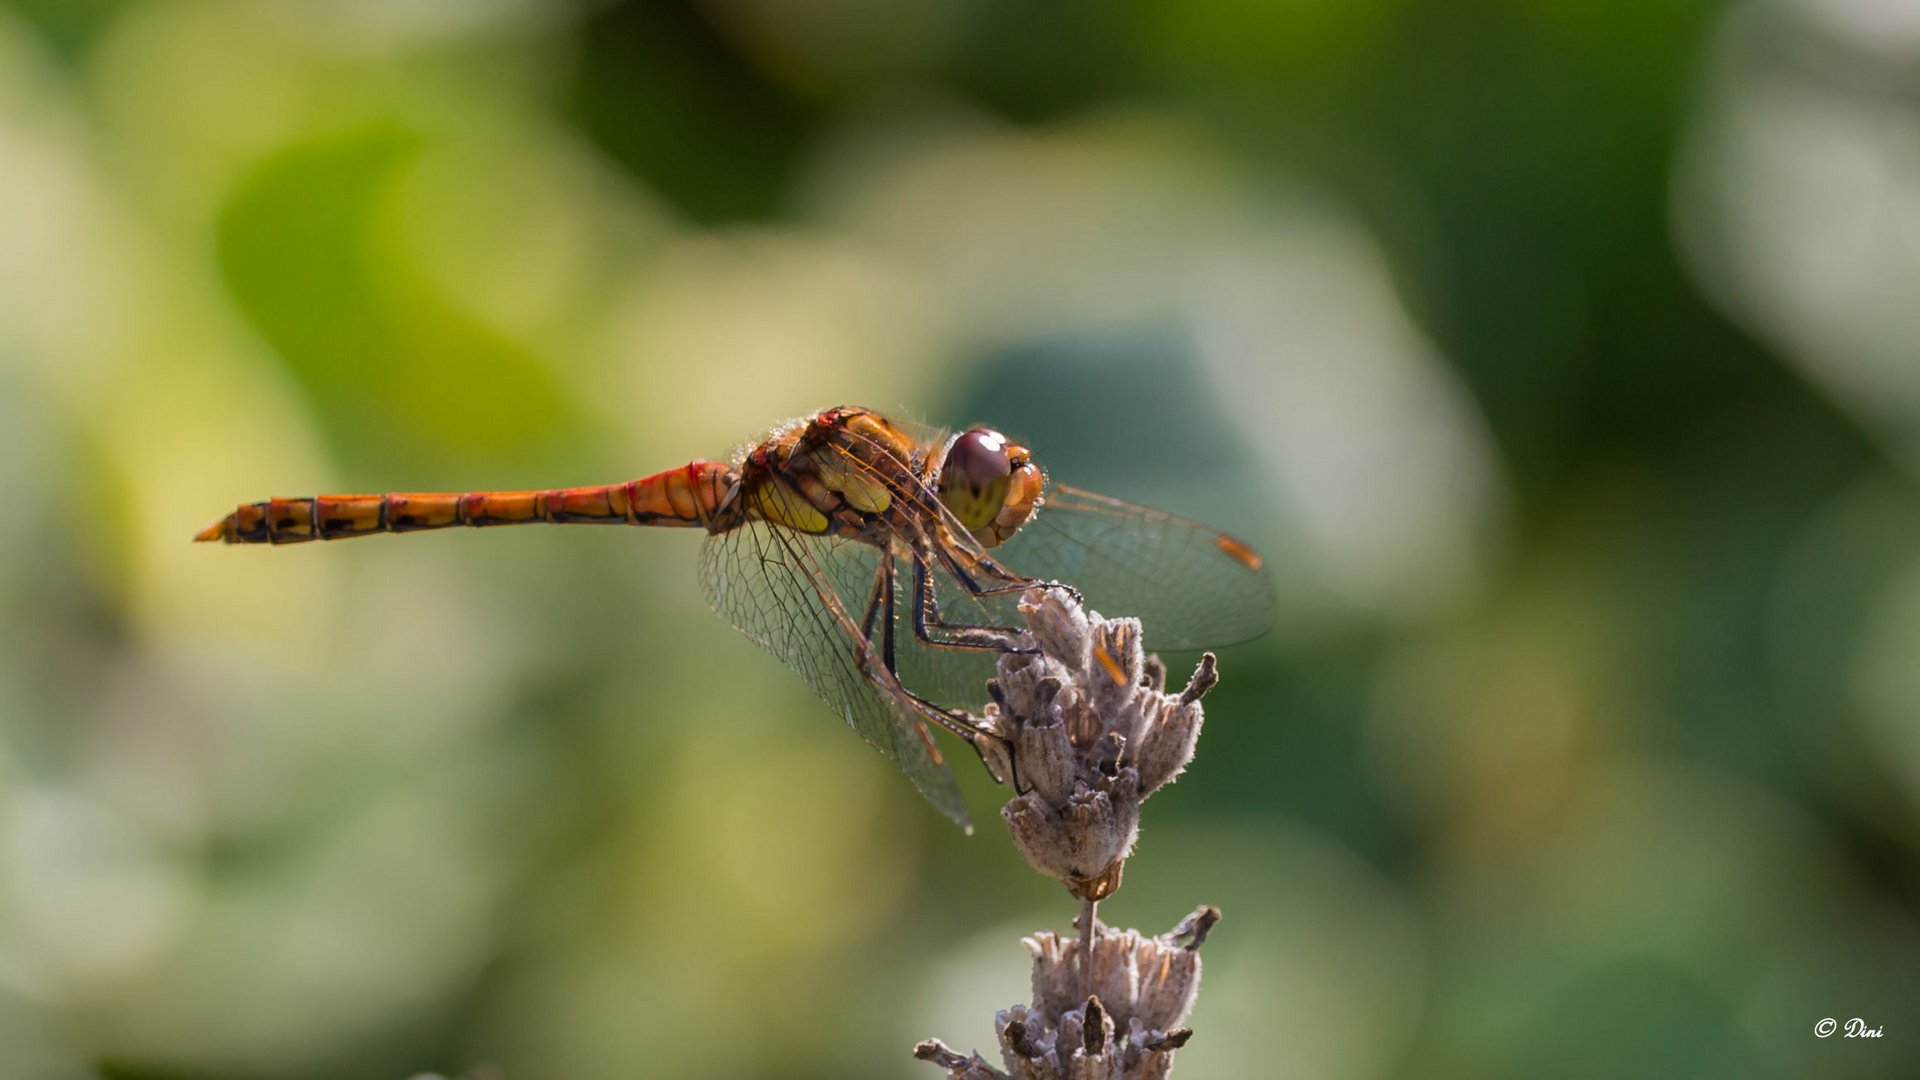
column 880, row 559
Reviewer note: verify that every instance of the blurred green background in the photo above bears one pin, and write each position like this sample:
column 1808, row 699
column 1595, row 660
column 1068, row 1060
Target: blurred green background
column 1563, row 357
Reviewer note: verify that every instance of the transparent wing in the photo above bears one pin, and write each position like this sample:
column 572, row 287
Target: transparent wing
column 1192, row 587
column 804, row 599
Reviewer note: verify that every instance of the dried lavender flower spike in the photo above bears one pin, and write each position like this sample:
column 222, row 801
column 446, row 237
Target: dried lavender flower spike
column 1128, row 1030
column 1152, row 980
column 1085, row 727
column 1088, row 731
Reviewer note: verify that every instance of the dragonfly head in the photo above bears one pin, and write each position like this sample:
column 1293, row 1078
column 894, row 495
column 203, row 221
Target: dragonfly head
column 990, row 484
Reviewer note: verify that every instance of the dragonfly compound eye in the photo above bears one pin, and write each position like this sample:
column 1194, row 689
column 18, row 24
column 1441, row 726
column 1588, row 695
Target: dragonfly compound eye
column 990, row 484
column 973, row 482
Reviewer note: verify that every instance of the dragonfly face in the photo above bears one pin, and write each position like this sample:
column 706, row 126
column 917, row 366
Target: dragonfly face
column 881, row 561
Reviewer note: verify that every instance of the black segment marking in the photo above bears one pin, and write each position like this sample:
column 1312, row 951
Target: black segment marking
column 258, row 533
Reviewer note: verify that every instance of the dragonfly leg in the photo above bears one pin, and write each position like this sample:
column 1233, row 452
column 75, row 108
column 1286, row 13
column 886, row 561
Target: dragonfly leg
column 881, row 608
column 964, row 726
column 1009, row 582
column 956, row 723
column 879, row 599
column 927, row 622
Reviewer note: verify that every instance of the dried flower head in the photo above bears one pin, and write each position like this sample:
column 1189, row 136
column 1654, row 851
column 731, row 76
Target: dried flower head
column 1087, row 730
column 1128, row 1030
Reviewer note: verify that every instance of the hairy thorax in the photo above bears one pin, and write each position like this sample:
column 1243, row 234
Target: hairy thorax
column 839, row 473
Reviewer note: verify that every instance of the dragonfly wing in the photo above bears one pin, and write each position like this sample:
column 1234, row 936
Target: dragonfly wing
column 1192, row 587
column 803, row 598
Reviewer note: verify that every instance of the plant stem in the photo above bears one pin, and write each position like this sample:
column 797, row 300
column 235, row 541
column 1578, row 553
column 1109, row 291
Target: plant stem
column 1087, row 925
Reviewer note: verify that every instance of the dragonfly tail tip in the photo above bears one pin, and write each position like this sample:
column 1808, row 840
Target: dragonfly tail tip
column 215, row 531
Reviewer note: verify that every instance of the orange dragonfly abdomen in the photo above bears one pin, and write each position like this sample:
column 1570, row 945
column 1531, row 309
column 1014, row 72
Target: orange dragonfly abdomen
column 696, row 494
